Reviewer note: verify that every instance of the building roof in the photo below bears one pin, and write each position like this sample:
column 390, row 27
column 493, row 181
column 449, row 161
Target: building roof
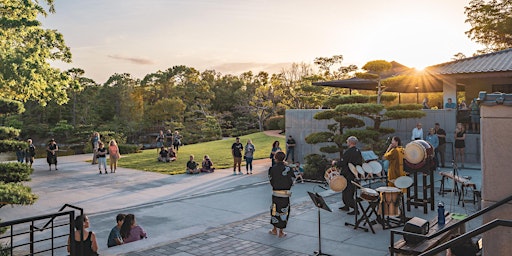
column 500, row 61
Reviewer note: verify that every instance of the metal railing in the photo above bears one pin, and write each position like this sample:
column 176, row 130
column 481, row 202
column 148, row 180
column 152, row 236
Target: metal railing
column 457, row 225
column 26, row 238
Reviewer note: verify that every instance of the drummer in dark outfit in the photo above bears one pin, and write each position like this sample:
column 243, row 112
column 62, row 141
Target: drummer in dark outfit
column 281, row 180
column 351, row 155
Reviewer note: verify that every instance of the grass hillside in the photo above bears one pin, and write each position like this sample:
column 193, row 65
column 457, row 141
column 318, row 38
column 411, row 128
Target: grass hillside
column 219, row 152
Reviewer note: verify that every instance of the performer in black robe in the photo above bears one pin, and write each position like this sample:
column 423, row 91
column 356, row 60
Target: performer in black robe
column 351, row 155
column 281, row 179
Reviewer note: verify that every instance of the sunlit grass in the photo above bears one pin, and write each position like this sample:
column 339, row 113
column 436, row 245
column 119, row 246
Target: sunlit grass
column 219, row 152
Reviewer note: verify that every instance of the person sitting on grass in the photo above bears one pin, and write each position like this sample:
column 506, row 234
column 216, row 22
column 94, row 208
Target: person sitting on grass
column 298, row 171
column 192, row 166
column 163, row 156
column 172, row 154
column 207, row 165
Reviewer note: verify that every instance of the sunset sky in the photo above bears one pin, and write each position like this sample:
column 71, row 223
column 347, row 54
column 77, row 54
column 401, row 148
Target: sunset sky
column 144, row 36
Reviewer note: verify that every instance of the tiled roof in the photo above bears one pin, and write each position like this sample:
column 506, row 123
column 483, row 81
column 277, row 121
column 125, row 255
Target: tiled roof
column 500, row 61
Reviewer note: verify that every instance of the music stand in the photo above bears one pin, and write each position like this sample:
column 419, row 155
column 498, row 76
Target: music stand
column 320, row 203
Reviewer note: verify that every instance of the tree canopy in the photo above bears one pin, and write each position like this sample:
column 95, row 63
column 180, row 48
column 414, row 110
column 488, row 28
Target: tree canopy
column 491, row 23
column 25, row 51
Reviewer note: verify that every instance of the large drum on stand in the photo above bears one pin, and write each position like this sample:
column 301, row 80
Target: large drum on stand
column 336, row 182
column 418, row 153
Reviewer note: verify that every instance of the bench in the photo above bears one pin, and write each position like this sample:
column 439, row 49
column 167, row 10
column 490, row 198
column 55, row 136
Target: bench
column 465, row 184
column 402, row 248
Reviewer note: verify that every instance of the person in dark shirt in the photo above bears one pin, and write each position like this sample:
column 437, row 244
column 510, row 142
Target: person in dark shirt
column 281, row 179
column 351, row 155
column 192, row 166
column 236, row 151
column 290, row 148
column 163, row 155
column 441, row 149
column 30, row 153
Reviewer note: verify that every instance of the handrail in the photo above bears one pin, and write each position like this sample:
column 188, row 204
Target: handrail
column 60, row 210
column 456, row 225
column 475, row 232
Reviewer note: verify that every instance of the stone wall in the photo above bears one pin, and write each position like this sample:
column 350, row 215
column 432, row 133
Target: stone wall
column 300, row 123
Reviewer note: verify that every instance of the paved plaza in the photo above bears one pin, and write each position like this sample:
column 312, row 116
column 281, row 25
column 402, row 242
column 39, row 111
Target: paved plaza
column 208, row 214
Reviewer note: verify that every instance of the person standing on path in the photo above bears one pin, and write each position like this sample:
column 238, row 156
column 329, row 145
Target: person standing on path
column 113, row 151
column 51, row 154
column 236, row 150
column 460, row 144
column 275, row 149
column 441, row 149
column 290, row 148
column 30, row 153
column 102, row 157
column 249, row 156
column 281, row 179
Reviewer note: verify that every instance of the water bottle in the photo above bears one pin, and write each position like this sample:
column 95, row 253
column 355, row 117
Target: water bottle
column 440, row 214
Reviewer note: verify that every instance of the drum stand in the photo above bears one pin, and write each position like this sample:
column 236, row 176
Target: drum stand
column 366, row 213
column 392, row 222
column 320, row 203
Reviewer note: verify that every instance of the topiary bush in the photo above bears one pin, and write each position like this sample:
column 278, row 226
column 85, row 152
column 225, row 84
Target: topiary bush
column 275, row 123
column 15, row 172
column 128, row 148
column 315, row 167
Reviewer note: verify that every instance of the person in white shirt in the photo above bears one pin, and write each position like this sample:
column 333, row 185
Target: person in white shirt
column 417, row 132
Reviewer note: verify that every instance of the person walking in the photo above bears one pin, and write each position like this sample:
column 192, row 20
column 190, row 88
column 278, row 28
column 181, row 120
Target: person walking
column 249, row 156
column 51, row 154
column 281, row 179
column 441, row 149
column 290, row 148
column 113, row 151
column 236, row 151
column 353, row 156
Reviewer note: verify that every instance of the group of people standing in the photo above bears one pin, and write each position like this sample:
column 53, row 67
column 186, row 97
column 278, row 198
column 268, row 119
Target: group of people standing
column 437, row 138
column 28, row 154
column 169, row 139
column 100, row 153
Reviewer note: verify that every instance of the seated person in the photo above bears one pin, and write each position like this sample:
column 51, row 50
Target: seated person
column 298, row 171
column 207, row 164
column 172, row 154
column 192, row 166
column 163, row 156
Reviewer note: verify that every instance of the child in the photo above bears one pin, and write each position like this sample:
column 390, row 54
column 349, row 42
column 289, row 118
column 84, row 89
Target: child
column 207, row 165
column 299, row 172
column 192, row 166
column 102, row 157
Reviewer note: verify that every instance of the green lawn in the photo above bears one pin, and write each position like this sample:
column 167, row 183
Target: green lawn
column 219, row 152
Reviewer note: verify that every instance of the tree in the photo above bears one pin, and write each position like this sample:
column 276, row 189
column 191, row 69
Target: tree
column 374, row 71
column 25, row 51
column 491, row 23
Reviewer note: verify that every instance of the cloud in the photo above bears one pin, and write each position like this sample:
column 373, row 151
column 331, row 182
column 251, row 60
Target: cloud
column 139, row 61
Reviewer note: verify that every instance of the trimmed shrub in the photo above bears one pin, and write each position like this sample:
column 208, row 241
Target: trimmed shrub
column 275, row 123
column 315, row 167
column 14, row 172
column 128, row 148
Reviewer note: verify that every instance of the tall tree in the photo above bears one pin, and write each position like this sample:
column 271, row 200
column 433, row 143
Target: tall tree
column 25, row 51
column 491, row 23
column 374, row 71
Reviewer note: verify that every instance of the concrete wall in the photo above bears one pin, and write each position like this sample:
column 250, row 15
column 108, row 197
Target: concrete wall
column 300, row 123
column 496, row 123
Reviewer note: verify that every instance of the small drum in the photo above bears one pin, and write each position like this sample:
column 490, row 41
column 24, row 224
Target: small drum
column 390, row 200
column 369, row 194
column 336, row 182
column 353, row 169
column 367, row 168
column 376, row 167
column 403, row 182
column 360, row 170
column 418, row 153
